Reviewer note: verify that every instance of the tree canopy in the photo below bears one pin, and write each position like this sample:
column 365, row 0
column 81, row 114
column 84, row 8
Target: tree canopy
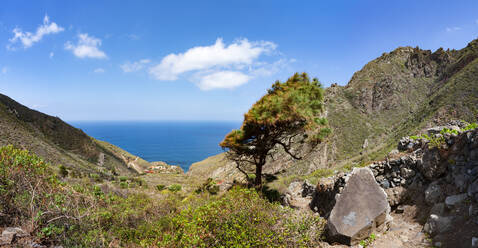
column 290, row 109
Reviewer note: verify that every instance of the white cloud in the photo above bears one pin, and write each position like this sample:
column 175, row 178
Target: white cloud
column 269, row 69
column 223, row 80
column 99, row 70
column 218, row 66
column 135, row 66
column 241, row 52
column 86, row 47
column 51, row 55
column 28, row 39
column 4, row 70
column 452, row 29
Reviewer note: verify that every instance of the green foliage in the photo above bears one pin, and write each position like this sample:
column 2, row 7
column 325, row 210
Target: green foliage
column 63, row 171
column 160, row 187
column 124, row 185
column 287, row 110
column 366, row 242
column 31, row 193
column 471, row 126
column 209, row 186
column 323, row 172
column 123, row 178
column 450, row 131
column 241, row 218
column 93, row 216
column 174, row 187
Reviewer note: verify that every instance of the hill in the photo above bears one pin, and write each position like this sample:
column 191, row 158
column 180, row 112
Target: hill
column 62, row 144
column 401, row 92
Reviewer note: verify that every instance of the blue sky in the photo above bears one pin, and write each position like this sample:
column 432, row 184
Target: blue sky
column 201, row 60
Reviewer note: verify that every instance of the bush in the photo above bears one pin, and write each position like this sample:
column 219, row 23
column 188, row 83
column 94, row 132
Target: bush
column 63, row 171
column 241, row 218
column 471, row 126
column 31, row 193
column 92, row 216
column 124, row 185
column 174, row 187
column 160, row 187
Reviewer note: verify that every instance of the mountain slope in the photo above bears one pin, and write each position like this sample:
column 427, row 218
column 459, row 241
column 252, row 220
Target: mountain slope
column 61, row 143
column 399, row 93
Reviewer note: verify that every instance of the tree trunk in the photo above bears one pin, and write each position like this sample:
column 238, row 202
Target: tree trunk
column 258, row 180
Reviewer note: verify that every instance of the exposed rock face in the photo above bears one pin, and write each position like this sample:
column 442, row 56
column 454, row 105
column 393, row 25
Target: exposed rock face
column 361, row 208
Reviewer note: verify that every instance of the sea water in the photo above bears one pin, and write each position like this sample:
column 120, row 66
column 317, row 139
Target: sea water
column 174, row 142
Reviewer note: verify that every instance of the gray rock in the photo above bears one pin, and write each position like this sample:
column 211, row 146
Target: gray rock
column 474, row 242
column 438, row 224
column 438, row 209
column 307, row 189
column 407, row 173
column 385, row 184
column 453, row 200
column 473, row 188
column 433, row 193
column 295, row 189
column 431, row 165
column 361, row 209
column 9, row 234
column 461, row 181
column 393, row 152
column 395, row 195
column 400, row 209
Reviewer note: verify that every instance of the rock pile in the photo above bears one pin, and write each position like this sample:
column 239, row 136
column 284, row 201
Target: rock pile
column 443, row 170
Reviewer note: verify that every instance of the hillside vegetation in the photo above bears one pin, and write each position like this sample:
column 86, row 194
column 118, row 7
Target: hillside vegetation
column 98, row 215
column 62, row 144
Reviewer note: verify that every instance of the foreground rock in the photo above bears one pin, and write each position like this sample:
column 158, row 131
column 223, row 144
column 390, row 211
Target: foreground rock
column 361, row 209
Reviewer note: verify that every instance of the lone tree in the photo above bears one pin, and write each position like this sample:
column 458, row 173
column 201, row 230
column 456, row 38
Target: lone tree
column 289, row 112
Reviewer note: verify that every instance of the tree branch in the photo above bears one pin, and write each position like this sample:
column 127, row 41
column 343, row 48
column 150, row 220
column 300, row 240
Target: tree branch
column 286, row 149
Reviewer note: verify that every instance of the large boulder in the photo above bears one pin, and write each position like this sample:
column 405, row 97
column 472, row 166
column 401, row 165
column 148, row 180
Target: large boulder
column 361, row 208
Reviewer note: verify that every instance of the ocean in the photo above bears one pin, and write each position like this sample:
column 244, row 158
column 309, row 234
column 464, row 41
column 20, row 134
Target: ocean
column 174, row 142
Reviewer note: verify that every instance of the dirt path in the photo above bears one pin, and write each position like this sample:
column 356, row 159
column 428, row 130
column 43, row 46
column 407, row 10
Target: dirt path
column 403, row 232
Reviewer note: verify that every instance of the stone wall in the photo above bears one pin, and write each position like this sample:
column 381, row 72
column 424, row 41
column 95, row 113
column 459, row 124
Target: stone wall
column 443, row 172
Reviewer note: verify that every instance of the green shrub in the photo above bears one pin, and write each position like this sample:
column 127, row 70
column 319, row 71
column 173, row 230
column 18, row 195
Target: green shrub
column 123, row 185
column 96, row 177
column 448, row 130
column 123, row 178
column 471, row 126
column 160, row 187
column 63, row 171
column 241, row 218
column 174, row 187
column 31, row 194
